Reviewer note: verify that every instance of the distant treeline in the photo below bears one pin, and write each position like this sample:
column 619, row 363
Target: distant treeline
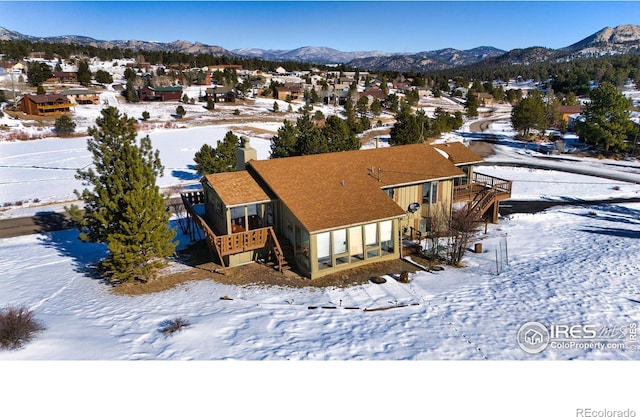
column 19, row 49
column 565, row 77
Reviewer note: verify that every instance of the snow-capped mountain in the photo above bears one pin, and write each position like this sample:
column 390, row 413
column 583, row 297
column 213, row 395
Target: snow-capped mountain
column 609, row 41
column 313, row 54
column 428, row 60
column 175, row 46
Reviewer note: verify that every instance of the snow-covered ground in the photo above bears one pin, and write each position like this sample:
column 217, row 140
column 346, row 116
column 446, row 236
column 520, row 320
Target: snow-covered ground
column 567, row 266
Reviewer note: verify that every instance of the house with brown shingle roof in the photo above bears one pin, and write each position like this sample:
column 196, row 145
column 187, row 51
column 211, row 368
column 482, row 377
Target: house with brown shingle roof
column 45, row 104
column 330, row 212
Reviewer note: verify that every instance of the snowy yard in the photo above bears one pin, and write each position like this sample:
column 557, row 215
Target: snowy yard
column 566, row 265
column 574, row 265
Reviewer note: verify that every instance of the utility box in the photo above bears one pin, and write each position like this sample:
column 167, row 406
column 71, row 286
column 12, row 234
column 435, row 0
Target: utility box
column 477, row 248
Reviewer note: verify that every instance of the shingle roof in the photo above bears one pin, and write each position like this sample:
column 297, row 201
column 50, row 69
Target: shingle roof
column 77, row 91
column 570, row 109
column 238, row 187
column 459, row 153
column 168, row 89
column 338, row 189
column 47, row 98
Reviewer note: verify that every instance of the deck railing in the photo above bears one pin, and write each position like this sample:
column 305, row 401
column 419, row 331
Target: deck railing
column 481, row 182
column 233, row 243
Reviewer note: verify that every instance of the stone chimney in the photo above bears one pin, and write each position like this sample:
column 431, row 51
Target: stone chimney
column 244, row 154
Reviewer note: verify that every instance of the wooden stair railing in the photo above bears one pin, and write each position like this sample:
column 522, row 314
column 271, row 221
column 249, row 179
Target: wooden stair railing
column 211, row 238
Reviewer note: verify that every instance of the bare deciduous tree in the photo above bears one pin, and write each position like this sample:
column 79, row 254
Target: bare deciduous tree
column 463, row 226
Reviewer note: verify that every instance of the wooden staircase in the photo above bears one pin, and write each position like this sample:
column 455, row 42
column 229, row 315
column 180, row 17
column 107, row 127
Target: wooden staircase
column 483, row 195
column 276, row 256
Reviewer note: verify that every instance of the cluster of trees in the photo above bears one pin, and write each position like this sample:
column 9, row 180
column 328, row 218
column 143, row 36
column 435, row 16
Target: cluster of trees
column 38, row 72
column 222, row 158
column 564, row 76
column 18, row 49
column 123, row 208
column 606, row 121
column 416, row 127
column 305, row 137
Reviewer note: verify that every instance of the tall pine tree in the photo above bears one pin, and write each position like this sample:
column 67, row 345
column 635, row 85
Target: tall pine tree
column 284, row 144
column 529, row 114
column 606, row 118
column 409, row 128
column 124, row 208
column 84, row 73
column 223, row 158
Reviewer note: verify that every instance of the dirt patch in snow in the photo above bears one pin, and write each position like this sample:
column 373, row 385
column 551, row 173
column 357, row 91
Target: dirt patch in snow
column 195, row 264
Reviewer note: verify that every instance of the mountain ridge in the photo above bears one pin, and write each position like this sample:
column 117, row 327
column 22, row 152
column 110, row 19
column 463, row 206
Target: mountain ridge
column 608, row 41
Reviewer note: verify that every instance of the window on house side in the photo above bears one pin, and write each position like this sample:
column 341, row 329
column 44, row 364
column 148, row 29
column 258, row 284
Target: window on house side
column 430, row 192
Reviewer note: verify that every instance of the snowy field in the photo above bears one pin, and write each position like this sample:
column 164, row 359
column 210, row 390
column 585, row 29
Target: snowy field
column 567, row 265
column 575, row 265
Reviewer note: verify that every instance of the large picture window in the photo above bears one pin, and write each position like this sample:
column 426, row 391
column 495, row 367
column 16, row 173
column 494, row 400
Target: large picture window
column 340, row 246
column 386, row 236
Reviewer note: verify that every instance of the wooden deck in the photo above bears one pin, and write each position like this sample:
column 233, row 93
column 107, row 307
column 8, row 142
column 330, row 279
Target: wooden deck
column 484, row 193
column 239, row 242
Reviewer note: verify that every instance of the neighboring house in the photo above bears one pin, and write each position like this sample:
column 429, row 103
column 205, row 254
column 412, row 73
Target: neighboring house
column 200, row 77
column 331, row 212
column 37, row 55
column 567, row 111
column 374, row 93
column 173, row 93
column 16, row 68
column 224, row 67
column 337, row 93
column 221, row 94
column 294, row 91
column 485, row 98
column 63, row 77
column 81, row 96
column 45, row 104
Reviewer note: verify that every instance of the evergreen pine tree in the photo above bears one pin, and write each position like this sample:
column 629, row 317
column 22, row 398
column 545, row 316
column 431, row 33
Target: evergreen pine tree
column 284, row 144
column 131, row 93
column 84, row 74
column 64, row 125
column 472, row 103
column 529, row 114
column 124, row 209
column 376, row 107
column 310, row 140
column 205, row 160
column 607, row 120
column 223, row 158
column 408, row 128
column 338, row 135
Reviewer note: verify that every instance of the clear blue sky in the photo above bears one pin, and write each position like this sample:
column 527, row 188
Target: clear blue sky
column 410, row 26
